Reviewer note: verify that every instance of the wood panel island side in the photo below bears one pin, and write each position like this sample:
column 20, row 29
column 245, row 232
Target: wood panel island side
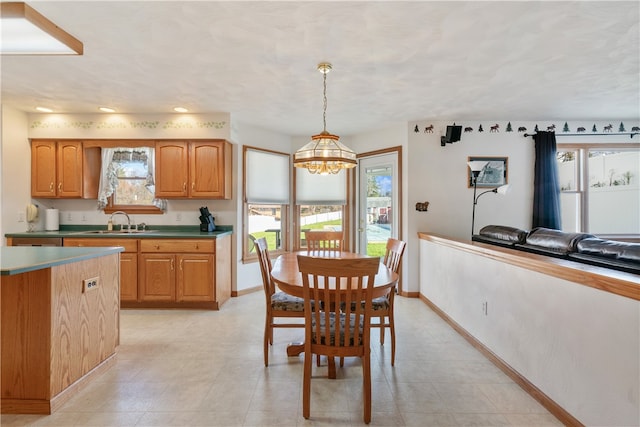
column 59, row 321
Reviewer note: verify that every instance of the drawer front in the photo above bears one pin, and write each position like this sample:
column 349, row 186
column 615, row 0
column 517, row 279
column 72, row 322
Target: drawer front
column 130, row 245
column 177, row 246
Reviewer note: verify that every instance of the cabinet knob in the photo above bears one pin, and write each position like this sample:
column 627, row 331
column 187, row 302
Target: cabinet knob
column 181, row 264
column 172, row 265
column 184, row 186
column 59, row 186
column 157, row 247
column 193, row 185
column 51, row 186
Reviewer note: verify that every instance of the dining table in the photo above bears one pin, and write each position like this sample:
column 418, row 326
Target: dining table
column 286, row 275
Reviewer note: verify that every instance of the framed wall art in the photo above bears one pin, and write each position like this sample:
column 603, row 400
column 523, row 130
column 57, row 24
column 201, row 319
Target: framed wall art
column 494, row 174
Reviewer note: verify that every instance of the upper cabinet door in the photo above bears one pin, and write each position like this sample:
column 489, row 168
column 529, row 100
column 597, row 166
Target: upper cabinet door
column 56, row 169
column 43, row 169
column 207, row 170
column 196, row 169
column 69, row 169
column 172, row 169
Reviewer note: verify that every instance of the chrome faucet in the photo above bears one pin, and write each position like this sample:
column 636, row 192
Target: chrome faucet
column 125, row 214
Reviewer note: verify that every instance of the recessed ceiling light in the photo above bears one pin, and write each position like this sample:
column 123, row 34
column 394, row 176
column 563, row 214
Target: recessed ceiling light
column 27, row 32
column 180, row 110
column 107, row 110
column 44, row 109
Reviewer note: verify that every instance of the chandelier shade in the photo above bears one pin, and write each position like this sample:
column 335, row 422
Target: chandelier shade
column 324, row 154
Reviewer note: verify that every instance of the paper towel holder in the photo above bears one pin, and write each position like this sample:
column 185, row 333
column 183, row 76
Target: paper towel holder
column 52, row 220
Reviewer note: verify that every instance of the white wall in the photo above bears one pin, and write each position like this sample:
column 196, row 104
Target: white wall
column 15, row 171
column 578, row 345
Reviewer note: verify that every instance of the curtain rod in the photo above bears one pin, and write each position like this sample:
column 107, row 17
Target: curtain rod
column 590, row 134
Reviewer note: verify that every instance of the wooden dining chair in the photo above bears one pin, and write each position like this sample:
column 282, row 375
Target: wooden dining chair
column 320, row 240
column 279, row 304
column 330, row 331
column 383, row 306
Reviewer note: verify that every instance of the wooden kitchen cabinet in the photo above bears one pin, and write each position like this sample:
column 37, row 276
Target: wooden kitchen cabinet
column 172, row 169
column 56, row 169
column 180, row 271
column 128, row 262
column 157, row 277
column 193, row 169
column 195, row 277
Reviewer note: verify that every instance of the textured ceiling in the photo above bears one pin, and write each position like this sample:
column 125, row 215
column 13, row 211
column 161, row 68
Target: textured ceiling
column 393, row 61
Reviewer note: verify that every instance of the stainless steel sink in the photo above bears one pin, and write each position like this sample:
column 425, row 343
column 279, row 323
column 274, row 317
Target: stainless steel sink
column 117, row 232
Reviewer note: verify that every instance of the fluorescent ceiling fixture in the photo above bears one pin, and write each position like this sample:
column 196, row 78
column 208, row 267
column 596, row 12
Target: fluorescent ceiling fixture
column 180, row 110
column 44, row 109
column 24, row 31
column 107, row 110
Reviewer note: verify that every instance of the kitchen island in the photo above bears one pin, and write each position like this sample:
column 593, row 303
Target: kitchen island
column 60, row 323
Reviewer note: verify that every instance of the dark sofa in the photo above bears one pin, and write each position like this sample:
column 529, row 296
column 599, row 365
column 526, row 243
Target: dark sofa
column 580, row 247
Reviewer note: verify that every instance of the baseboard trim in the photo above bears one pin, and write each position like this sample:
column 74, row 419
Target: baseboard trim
column 246, row 291
column 556, row 410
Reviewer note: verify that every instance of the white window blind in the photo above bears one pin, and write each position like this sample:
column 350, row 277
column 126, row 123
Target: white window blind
column 267, row 177
column 314, row 189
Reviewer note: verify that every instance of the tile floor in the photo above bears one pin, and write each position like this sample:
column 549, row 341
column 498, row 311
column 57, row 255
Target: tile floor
column 205, row 368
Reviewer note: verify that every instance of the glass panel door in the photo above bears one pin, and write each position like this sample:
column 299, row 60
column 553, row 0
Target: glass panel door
column 378, row 203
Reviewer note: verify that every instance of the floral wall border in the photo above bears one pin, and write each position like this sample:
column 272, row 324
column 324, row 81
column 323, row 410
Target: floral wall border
column 155, row 124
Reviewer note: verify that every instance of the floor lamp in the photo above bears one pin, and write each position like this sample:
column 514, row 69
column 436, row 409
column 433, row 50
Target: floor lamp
column 476, row 167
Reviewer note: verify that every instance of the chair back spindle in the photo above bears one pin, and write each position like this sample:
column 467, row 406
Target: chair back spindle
column 324, row 241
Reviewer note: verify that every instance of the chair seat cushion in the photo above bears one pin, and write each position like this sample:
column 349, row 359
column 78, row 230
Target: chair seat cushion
column 332, row 329
column 380, row 303
column 285, row 302
column 377, row 304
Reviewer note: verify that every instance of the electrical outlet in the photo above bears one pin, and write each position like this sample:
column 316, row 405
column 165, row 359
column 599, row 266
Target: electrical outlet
column 20, row 217
column 90, row 284
column 69, row 217
column 179, row 216
column 84, row 217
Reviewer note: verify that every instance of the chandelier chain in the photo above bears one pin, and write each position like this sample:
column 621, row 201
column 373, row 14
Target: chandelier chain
column 324, row 109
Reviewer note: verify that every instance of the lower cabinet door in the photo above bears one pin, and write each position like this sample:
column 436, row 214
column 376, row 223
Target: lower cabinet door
column 195, row 273
column 128, row 277
column 157, row 277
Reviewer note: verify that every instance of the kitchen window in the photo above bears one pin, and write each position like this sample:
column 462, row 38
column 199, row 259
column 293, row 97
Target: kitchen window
column 600, row 188
column 127, row 181
column 266, row 199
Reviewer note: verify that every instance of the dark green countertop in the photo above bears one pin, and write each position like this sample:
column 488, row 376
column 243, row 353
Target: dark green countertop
column 153, row 232
column 22, row 259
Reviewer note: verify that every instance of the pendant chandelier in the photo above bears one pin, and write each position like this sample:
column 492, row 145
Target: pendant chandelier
column 325, row 153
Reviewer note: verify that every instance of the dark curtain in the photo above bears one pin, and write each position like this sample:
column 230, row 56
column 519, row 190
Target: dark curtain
column 546, row 190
